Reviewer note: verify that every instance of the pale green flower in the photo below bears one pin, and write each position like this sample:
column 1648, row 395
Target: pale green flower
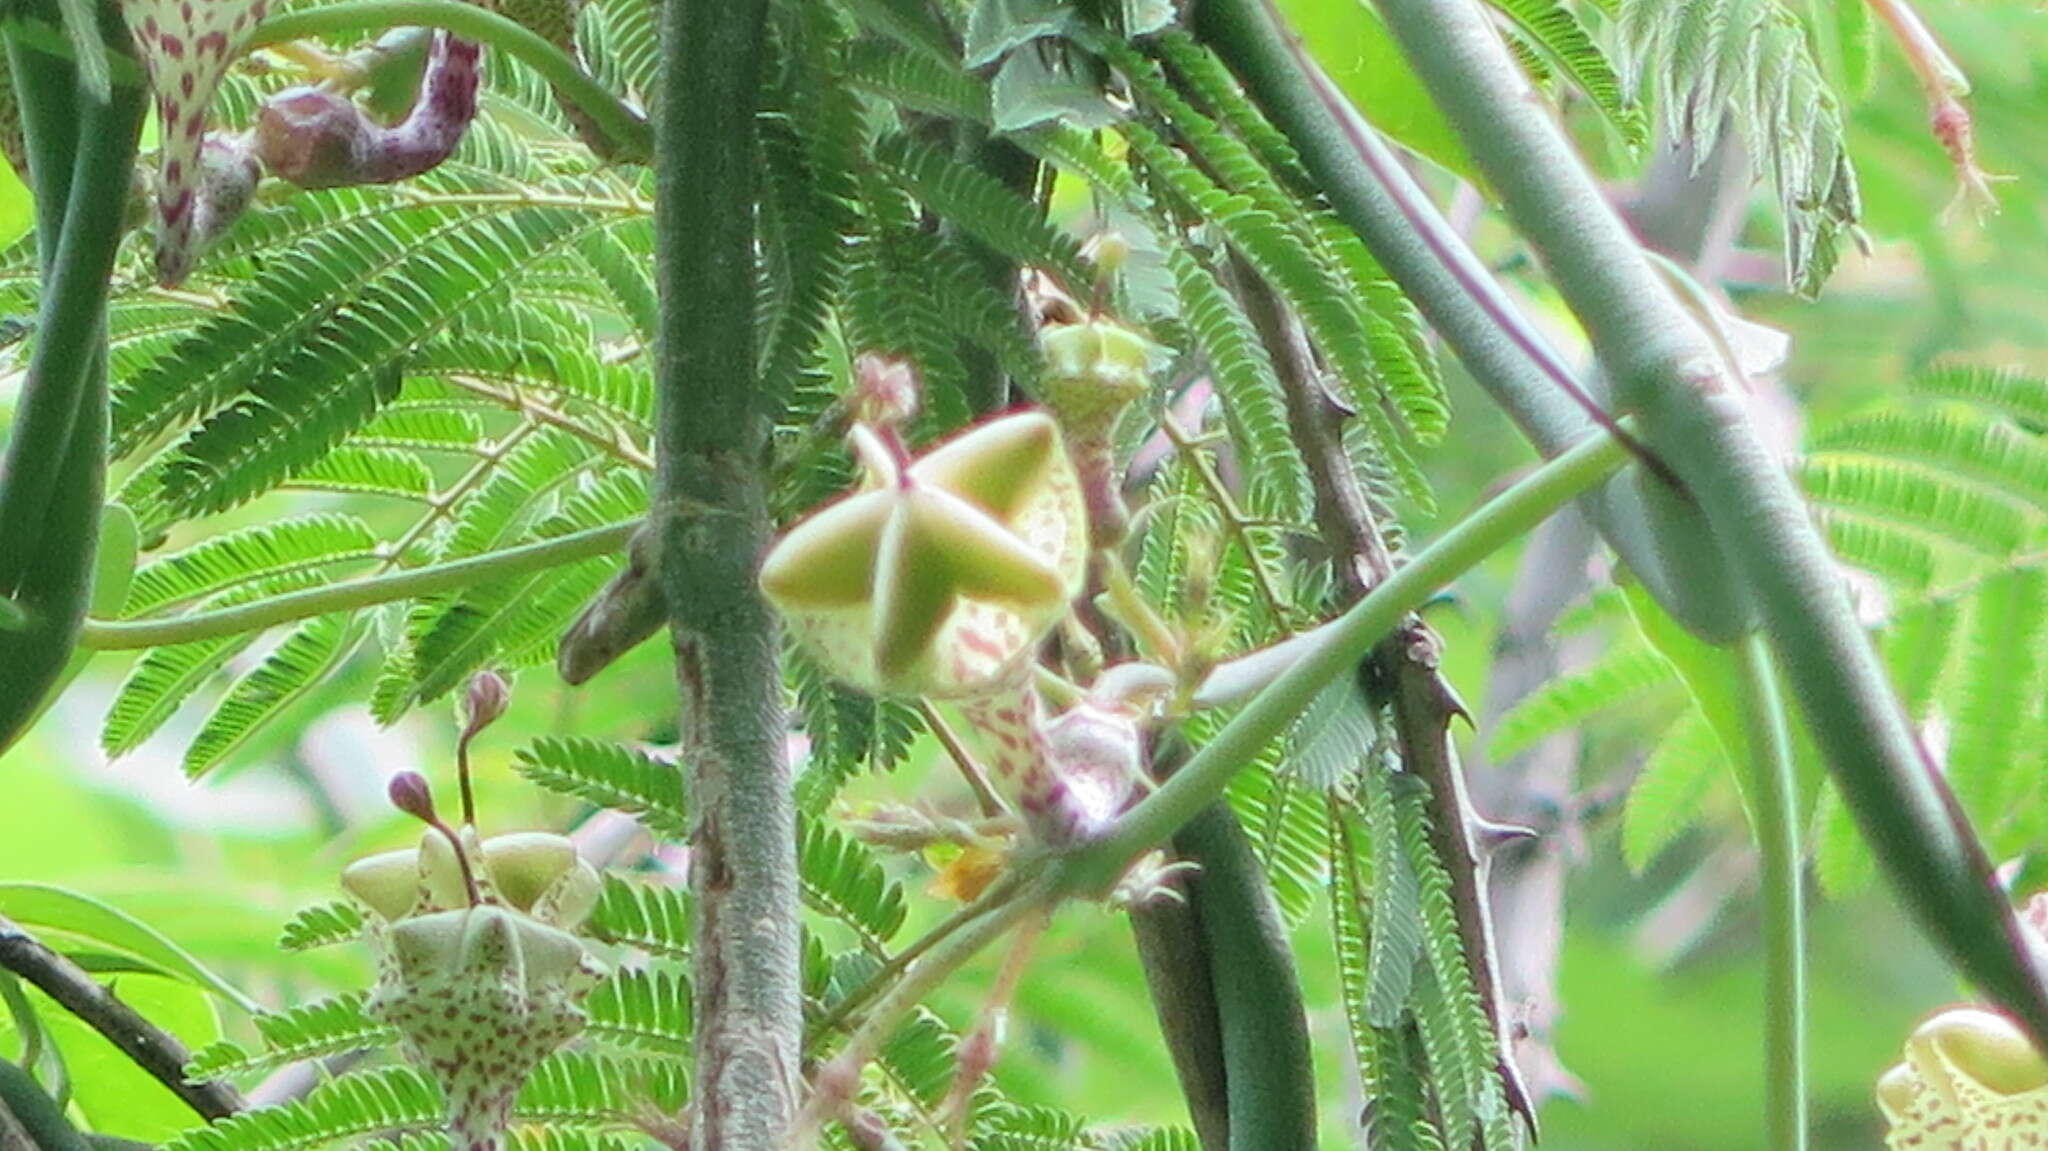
column 941, row 578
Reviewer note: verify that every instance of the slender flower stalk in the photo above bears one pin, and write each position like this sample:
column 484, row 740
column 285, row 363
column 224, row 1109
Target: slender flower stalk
column 1774, row 800
column 1945, row 86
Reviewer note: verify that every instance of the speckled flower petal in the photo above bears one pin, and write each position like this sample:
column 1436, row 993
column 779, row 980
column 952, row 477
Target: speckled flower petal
column 388, row 884
column 828, row 560
column 1970, row 1082
column 187, row 45
column 481, row 995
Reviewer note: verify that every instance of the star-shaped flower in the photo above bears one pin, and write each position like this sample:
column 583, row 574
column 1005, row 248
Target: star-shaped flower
column 941, row 578
column 187, row 46
column 482, row 982
column 1971, row 1079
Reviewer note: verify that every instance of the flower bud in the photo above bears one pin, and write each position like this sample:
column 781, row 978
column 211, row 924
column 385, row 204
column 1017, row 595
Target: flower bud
column 311, row 137
column 388, row 884
column 1970, row 1079
column 486, row 700
column 1984, row 1047
column 317, row 138
column 524, row 864
column 1096, row 755
column 410, row 794
column 886, row 390
column 1108, row 251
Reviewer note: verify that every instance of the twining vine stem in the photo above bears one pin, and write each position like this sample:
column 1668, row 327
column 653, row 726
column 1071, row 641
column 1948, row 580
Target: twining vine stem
column 1774, row 803
column 1437, row 269
column 1090, row 870
column 1337, row 651
column 1697, row 415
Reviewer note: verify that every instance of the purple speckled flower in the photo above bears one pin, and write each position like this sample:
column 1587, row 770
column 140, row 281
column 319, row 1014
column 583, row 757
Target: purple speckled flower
column 187, row 46
column 318, row 138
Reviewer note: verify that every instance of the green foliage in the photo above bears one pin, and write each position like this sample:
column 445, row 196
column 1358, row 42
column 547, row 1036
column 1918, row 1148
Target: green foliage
column 1748, row 66
column 609, row 775
column 1938, row 497
column 365, row 382
column 1568, row 45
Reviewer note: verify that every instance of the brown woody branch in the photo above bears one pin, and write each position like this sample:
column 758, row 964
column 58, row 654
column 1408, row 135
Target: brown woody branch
column 151, row 1047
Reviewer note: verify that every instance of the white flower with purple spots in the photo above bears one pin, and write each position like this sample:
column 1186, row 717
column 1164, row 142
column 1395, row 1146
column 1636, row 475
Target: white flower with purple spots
column 187, row 46
column 477, row 966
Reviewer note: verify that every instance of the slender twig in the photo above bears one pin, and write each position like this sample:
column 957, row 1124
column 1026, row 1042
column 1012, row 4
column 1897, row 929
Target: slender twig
column 120, row 635
column 999, row 893
column 977, row 780
column 612, row 441
column 1948, row 593
column 1671, row 376
column 576, row 86
column 1337, row 651
column 839, row 1078
column 1234, row 520
column 151, row 1048
column 1422, row 703
column 1774, row 803
column 1945, row 86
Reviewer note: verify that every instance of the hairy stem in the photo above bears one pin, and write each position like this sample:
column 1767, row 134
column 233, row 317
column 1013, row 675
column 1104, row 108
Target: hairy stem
column 712, row 439
column 1697, row 417
column 577, row 87
column 1775, row 810
column 369, row 591
column 153, row 1049
column 1341, row 646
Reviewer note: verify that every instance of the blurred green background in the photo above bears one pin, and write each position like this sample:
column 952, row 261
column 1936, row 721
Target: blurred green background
column 1660, row 982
